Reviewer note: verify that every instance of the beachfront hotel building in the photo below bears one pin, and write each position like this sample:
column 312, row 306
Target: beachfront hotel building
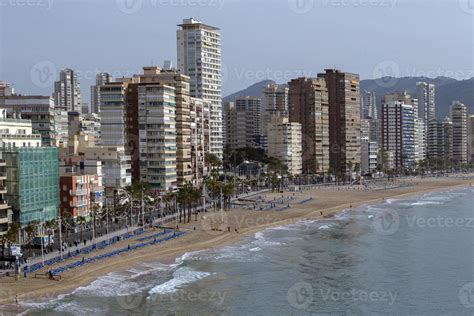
column 284, row 143
column 157, row 130
column 32, row 180
column 243, row 122
column 308, row 105
column 67, row 91
column 6, row 214
column 100, row 80
column 200, row 116
column 368, row 156
column 199, row 57
column 180, row 83
column 344, row 119
column 79, row 192
column 398, row 128
column 275, row 103
column 459, row 117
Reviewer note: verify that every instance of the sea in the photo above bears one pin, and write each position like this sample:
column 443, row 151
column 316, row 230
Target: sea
column 410, row 256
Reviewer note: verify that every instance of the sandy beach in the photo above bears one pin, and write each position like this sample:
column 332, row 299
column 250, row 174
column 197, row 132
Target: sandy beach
column 308, row 204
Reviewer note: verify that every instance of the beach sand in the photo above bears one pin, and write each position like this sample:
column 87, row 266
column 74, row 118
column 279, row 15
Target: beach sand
column 328, row 200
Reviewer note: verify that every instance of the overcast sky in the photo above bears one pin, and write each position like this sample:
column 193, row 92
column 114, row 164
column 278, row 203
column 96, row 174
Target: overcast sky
column 272, row 39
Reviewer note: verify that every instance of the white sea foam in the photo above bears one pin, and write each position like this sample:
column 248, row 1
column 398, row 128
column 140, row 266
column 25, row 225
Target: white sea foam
column 255, row 249
column 421, row 203
column 76, row 309
column 324, row 227
column 181, row 277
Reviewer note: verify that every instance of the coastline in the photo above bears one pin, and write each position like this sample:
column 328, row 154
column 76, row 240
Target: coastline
column 248, row 222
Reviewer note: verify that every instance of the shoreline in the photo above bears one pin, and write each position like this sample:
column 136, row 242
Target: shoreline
column 169, row 253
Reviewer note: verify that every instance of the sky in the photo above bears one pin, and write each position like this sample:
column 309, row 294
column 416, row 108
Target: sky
column 261, row 39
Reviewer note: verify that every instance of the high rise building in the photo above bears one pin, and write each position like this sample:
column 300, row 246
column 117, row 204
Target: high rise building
column 344, row 119
column 113, row 114
column 426, row 95
column 100, row 80
column 471, row 138
column 157, row 121
column 420, row 138
column 284, row 143
column 50, row 122
column 368, row 156
column 368, row 105
column 199, row 57
column 67, row 91
column 32, row 183
column 459, row 118
column 275, row 103
column 308, row 105
column 398, row 128
column 172, row 77
column 243, row 123
column 200, row 112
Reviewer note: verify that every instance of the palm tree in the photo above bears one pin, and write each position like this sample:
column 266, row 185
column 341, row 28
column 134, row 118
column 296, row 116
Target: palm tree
column 213, row 162
column 81, row 221
column 228, row 190
column 50, row 227
column 66, row 220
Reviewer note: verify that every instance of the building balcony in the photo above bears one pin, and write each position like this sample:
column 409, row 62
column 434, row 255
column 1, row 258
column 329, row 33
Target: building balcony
column 4, row 205
column 78, row 203
column 77, row 192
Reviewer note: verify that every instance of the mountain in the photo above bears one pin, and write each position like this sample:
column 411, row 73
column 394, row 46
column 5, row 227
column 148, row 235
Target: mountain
column 254, row 90
column 447, row 90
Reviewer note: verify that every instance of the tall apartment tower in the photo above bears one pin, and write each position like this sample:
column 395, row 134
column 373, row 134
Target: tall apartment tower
column 199, row 57
column 344, row 119
column 100, row 80
column 275, row 103
column 181, row 84
column 67, row 91
column 200, row 138
column 157, row 128
column 308, row 105
column 368, row 105
column 284, row 143
column 398, row 128
column 459, row 118
column 243, row 122
column 426, row 94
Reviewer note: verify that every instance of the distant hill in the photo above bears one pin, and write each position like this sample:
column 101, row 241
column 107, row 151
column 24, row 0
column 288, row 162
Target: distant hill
column 447, row 90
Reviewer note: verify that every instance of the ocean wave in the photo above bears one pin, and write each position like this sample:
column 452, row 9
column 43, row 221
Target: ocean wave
column 324, row 227
column 421, row 203
column 181, row 277
column 76, row 309
column 262, row 241
column 255, row 249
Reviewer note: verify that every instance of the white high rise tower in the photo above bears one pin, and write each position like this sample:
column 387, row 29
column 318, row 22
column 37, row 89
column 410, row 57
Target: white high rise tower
column 199, row 57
